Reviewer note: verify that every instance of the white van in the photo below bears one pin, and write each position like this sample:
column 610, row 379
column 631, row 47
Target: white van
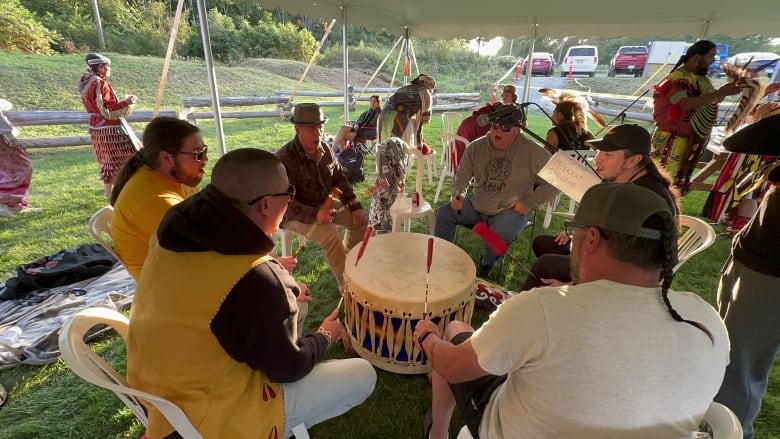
column 580, row 59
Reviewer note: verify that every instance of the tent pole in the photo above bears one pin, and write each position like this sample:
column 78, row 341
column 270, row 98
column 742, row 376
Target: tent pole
column 204, row 29
column 345, row 60
column 382, row 64
column 527, row 78
column 168, row 55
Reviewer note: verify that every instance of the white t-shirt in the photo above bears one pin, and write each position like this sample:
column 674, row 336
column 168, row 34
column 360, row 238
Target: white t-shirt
column 600, row 360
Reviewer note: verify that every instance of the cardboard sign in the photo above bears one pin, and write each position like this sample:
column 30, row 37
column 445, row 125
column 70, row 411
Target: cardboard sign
column 569, row 175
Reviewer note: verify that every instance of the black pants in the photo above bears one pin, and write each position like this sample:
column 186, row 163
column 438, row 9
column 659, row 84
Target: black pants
column 471, row 397
column 548, row 267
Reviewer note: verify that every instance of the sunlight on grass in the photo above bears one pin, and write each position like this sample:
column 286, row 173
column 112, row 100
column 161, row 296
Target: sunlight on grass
column 51, row 402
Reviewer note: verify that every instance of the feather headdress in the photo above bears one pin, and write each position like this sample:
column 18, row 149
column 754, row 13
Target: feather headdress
column 580, row 107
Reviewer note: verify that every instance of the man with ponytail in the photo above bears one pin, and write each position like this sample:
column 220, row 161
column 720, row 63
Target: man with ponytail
column 624, row 156
column 685, row 109
column 167, row 170
column 617, row 355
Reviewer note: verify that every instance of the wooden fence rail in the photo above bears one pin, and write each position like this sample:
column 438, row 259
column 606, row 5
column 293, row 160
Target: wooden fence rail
column 10, row 120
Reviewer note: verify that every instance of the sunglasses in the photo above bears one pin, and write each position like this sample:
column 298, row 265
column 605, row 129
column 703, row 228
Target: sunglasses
column 197, row 154
column 290, row 194
column 504, row 128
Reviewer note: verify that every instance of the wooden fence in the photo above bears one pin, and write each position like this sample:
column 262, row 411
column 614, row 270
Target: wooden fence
column 281, row 102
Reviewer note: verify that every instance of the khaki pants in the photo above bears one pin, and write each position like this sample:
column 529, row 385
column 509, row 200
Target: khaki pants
column 327, row 236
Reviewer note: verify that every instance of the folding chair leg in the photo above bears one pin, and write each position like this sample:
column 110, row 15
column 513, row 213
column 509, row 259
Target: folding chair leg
column 300, row 432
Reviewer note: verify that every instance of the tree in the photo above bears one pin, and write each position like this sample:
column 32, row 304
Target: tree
column 20, row 31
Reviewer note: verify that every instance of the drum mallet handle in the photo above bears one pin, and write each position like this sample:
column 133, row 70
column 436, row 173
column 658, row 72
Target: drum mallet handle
column 498, row 246
column 428, row 275
column 327, row 204
column 366, row 236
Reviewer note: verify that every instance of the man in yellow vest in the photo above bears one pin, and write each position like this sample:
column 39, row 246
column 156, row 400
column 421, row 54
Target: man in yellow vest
column 214, row 321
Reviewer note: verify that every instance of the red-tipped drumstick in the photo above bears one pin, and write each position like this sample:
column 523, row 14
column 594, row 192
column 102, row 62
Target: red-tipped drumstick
column 497, row 244
column 428, row 274
column 366, row 236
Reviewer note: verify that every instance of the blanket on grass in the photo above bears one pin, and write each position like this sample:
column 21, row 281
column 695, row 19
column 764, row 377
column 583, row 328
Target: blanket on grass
column 30, row 325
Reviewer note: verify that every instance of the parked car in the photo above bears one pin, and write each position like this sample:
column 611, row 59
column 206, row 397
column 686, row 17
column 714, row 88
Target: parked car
column 721, row 53
column 580, row 60
column 542, row 63
column 755, row 60
column 629, row 60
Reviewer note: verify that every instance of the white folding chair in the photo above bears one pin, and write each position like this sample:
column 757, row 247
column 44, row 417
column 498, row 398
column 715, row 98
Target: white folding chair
column 695, row 237
column 448, row 164
column 722, row 421
column 85, row 363
column 286, row 237
column 402, row 209
column 451, row 120
column 100, row 227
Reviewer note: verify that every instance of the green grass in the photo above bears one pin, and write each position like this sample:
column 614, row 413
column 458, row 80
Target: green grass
column 51, row 402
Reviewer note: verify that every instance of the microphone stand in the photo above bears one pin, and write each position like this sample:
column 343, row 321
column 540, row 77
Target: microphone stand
column 549, row 146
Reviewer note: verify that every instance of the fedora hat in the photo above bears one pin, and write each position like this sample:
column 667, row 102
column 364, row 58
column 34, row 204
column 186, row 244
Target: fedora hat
column 308, row 114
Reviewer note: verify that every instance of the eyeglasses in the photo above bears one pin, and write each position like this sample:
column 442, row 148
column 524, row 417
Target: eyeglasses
column 290, row 194
column 504, row 128
column 197, row 154
column 572, row 226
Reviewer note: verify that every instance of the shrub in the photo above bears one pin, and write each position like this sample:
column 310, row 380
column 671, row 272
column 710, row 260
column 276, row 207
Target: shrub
column 20, row 31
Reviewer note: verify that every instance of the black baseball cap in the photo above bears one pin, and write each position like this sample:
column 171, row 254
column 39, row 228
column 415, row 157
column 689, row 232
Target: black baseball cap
column 629, row 136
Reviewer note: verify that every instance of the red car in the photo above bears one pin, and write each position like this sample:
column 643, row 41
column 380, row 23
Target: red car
column 542, row 64
column 630, row 60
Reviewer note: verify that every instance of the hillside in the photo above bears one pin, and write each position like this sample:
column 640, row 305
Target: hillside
column 49, row 82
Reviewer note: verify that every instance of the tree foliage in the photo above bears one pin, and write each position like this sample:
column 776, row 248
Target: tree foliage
column 20, row 31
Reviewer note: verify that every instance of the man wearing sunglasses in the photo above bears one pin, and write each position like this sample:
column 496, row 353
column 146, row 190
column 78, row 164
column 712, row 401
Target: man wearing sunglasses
column 214, row 320
column 164, row 172
column 315, row 173
column 502, row 167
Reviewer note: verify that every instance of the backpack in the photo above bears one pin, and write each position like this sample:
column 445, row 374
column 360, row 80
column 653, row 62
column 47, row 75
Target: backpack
column 351, row 160
column 63, row 268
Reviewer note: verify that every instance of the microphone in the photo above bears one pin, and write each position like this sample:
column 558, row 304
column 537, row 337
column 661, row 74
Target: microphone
column 508, row 109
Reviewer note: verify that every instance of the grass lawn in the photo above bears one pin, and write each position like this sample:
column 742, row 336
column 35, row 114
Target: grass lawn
column 51, row 402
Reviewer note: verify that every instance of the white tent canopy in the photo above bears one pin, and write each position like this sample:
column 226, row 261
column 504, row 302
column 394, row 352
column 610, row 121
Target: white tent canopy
column 513, row 18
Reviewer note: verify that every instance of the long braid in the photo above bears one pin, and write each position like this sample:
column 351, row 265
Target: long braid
column 669, row 242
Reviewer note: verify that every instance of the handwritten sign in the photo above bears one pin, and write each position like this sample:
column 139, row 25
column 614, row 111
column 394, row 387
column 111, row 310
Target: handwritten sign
column 569, row 175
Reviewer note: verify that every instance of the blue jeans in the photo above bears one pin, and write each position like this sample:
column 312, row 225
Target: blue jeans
column 508, row 224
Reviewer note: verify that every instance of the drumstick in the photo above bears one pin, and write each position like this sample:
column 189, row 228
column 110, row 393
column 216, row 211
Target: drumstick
column 498, row 245
column 366, row 236
column 327, row 204
column 428, row 275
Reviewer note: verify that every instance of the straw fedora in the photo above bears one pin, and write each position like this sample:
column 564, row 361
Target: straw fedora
column 308, row 115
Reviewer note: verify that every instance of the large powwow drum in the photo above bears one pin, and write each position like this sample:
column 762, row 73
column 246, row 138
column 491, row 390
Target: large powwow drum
column 385, row 296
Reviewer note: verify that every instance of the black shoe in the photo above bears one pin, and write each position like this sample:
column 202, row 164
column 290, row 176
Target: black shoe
column 483, row 271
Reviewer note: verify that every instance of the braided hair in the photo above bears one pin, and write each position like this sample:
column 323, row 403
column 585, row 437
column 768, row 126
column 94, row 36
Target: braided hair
column 669, row 241
column 700, row 47
column 162, row 134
